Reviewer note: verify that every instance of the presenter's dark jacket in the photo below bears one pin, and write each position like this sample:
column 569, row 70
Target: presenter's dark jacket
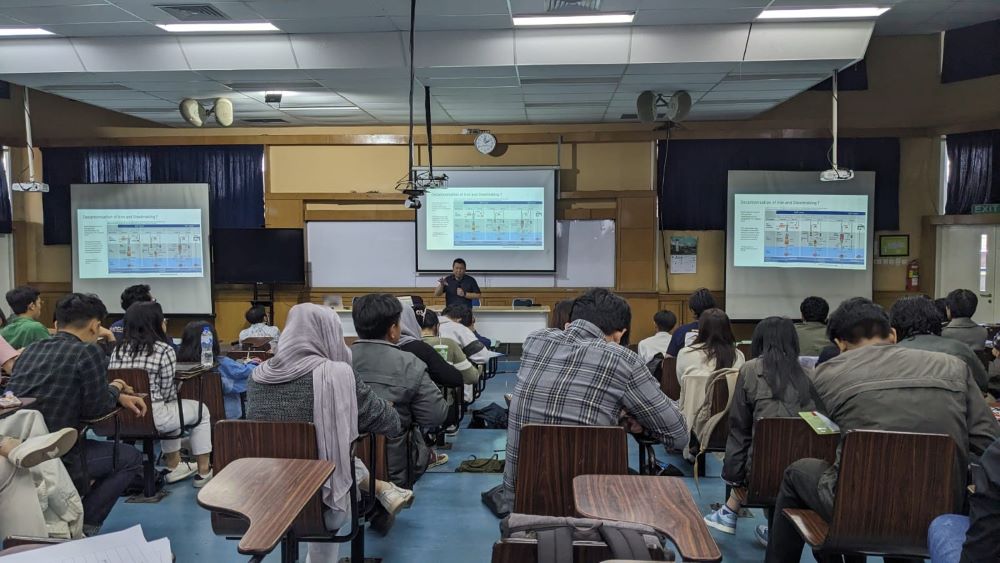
column 451, row 285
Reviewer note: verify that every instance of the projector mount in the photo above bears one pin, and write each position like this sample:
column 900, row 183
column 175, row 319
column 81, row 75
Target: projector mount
column 835, row 174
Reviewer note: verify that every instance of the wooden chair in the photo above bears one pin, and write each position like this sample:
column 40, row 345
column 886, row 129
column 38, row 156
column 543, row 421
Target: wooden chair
column 235, row 439
column 913, row 474
column 669, row 383
column 777, row 442
column 209, row 394
column 256, row 344
column 551, row 456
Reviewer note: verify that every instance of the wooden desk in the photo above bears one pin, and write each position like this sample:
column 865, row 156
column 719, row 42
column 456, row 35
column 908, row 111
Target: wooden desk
column 25, row 403
column 268, row 492
column 664, row 503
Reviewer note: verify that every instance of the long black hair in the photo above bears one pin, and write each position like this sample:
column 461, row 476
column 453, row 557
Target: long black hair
column 190, row 348
column 561, row 313
column 143, row 329
column 776, row 343
column 715, row 337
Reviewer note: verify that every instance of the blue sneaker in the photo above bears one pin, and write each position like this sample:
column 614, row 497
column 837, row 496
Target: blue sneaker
column 761, row 533
column 723, row 520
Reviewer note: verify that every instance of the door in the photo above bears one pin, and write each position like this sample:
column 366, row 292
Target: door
column 967, row 258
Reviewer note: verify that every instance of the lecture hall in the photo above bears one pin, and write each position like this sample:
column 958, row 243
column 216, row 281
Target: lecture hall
column 499, row 281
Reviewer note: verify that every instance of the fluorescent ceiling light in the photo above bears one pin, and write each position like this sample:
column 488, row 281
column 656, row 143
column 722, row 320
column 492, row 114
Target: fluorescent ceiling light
column 215, row 27
column 578, row 19
column 822, row 13
column 318, row 108
column 23, row 31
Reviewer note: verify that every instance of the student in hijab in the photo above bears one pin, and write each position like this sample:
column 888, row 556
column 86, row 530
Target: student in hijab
column 410, row 340
column 310, row 379
column 8, row 355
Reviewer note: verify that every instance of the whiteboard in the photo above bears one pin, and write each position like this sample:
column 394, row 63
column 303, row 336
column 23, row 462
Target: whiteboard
column 383, row 254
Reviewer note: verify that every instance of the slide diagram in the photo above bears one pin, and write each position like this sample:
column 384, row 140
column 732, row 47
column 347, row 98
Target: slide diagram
column 811, row 237
column 154, row 249
column 499, row 223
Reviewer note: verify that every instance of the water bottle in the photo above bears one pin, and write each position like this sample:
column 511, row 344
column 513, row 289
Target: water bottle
column 206, row 347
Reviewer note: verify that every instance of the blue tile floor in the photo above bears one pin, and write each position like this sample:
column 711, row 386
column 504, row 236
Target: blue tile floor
column 447, row 523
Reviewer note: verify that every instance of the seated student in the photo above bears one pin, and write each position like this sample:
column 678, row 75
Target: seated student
column 970, row 539
column 918, row 326
column 52, row 508
column 714, row 348
column 657, row 344
column 941, row 304
column 699, row 302
column 67, row 376
column 411, row 340
column 875, row 386
column 132, row 294
column 234, row 373
column 962, row 305
column 560, row 314
column 256, row 315
column 310, row 379
column 583, row 376
column 429, row 328
column 400, row 378
column 993, row 373
column 24, row 328
column 8, row 356
column 812, row 329
column 453, row 325
column 773, row 384
column 144, row 345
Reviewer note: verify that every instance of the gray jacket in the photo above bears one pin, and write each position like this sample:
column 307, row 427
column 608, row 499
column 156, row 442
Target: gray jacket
column 895, row 388
column 402, row 378
column 812, row 338
column 934, row 343
column 753, row 399
column 966, row 330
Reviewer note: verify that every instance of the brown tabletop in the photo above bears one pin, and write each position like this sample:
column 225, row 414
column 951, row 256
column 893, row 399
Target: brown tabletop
column 25, row 403
column 268, row 492
column 663, row 503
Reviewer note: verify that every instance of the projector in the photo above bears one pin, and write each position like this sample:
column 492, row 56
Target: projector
column 412, row 202
column 836, row 175
column 30, row 187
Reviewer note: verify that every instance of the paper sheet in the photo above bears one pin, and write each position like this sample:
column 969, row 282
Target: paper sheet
column 126, row 546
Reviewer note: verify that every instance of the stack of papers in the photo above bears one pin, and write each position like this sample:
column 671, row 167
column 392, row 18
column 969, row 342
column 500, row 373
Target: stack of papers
column 126, row 546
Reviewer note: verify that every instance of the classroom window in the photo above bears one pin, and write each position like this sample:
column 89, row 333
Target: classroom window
column 984, row 255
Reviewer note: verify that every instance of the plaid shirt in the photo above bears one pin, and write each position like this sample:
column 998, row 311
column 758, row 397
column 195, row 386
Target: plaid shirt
column 575, row 377
column 161, row 366
column 68, row 378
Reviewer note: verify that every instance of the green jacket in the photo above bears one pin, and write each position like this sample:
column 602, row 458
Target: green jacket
column 967, row 331
column 22, row 331
column 934, row 343
column 812, row 338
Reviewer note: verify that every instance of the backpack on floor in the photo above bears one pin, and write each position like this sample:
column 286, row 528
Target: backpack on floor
column 491, row 416
column 555, row 536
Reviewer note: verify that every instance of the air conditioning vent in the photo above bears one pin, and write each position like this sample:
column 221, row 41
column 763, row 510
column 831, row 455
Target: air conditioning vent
column 572, row 5
column 194, row 12
column 264, row 120
column 572, row 80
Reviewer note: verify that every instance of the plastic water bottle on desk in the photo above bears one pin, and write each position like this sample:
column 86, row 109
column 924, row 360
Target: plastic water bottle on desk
column 206, row 348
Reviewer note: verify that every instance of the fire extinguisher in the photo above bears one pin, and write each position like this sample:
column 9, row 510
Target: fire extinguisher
column 913, row 276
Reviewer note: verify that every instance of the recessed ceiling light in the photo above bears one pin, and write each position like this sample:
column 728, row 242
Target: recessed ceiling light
column 578, row 19
column 23, row 31
column 215, row 27
column 822, row 13
column 318, row 108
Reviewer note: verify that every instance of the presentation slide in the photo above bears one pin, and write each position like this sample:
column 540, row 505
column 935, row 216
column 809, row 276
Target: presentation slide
column 128, row 243
column 800, row 231
column 486, row 219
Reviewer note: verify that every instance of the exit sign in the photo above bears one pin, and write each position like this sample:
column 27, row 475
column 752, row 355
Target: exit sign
column 985, row 208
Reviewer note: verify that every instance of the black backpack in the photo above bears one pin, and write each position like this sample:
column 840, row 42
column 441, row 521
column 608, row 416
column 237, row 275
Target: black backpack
column 490, row 416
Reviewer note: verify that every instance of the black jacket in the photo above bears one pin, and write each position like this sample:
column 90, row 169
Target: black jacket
column 441, row 372
column 982, row 541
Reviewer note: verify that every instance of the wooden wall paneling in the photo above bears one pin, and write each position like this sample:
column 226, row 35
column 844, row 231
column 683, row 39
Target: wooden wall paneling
column 281, row 213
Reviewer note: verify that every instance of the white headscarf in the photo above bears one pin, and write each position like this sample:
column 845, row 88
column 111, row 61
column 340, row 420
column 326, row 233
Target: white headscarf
column 409, row 326
column 313, row 342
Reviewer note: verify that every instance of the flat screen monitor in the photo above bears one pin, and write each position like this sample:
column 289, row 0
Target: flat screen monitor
column 258, row 256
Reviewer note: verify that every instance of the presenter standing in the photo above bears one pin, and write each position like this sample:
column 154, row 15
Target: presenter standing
column 458, row 288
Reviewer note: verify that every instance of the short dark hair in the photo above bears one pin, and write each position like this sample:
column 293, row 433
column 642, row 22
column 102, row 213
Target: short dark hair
column 459, row 312
column 814, row 309
column 458, row 261
column 607, row 311
column 665, row 321
column 256, row 314
column 135, row 294
column 20, row 298
column 962, row 303
column 856, row 319
column 77, row 309
column 143, row 329
column 561, row 313
column 374, row 314
column 700, row 301
column 428, row 318
column 913, row 315
column 942, row 307
column 190, row 347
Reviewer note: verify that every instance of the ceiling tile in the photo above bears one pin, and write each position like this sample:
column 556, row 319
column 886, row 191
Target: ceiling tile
column 117, row 54
column 455, row 23
column 250, row 52
column 348, row 50
column 696, row 15
column 90, row 13
column 599, row 45
column 688, row 44
column 105, row 29
column 335, row 25
column 307, row 9
column 465, row 48
column 33, row 56
column 149, row 10
column 446, row 8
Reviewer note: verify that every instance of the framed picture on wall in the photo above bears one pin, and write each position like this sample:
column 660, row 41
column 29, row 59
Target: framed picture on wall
column 893, row 245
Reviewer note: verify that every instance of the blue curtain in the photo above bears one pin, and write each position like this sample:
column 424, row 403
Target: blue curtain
column 6, row 214
column 234, row 175
column 971, row 52
column 974, row 175
column 693, row 182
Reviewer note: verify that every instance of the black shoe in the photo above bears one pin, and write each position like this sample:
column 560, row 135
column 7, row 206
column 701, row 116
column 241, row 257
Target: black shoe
column 382, row 521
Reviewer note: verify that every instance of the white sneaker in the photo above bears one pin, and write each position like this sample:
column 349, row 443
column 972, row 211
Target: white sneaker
column 33, row 451
column 183, row 470
column 200, row 480
column 395, row 498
